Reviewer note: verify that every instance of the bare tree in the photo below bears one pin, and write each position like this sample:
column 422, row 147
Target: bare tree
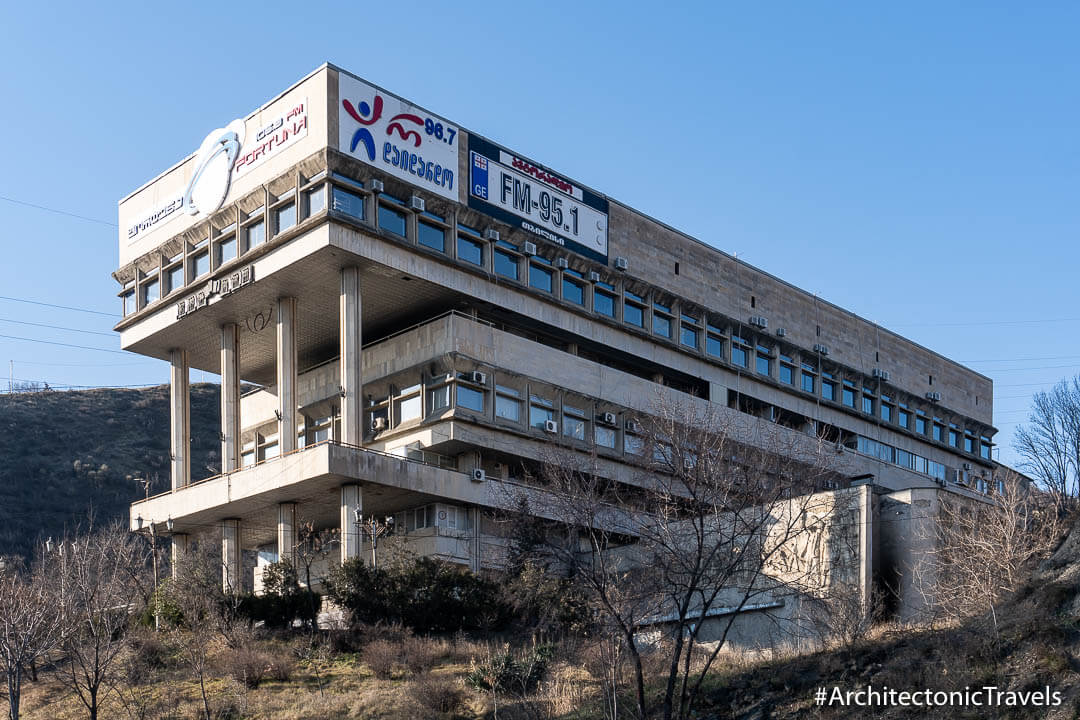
column 983, row 549
column 1050, row 441
column 722, row 516
column 103, row 578
column 29, row 625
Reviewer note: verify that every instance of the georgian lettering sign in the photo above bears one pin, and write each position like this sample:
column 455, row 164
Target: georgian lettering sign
column 215, row 288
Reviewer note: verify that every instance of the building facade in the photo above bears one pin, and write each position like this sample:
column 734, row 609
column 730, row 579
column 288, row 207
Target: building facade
column 404, row 314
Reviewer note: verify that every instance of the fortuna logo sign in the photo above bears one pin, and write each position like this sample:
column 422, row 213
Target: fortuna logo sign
column 213, row 169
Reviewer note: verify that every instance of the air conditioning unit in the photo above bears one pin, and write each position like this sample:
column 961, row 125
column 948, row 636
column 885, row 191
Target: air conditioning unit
column 688, row 463
column 821, row 349
column 378, row 424
column 882, row 375
column 608, row 418
column 933, row 396
column 781, row 332
column 621, row 263
column 529, row 248
column 416, row 203
column 478, row 475
column 967, row 466
column 478, row 377
column 550, row 426
column 758, row 321
column 376, row 185
column 491, row 234
column 633, row 426
column 562, row 263
column 594, row 276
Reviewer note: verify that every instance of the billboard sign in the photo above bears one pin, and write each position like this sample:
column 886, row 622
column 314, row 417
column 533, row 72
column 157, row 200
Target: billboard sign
column 397, row 137
column 531, row 197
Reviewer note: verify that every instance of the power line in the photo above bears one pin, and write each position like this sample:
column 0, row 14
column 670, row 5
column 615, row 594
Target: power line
column 61, row 307
column 984, row 322
column 58, row 327
column 49, row 342
column 1030, row 359
column 58, row 212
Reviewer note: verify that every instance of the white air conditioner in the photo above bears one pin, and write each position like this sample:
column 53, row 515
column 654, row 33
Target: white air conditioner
column 550, row 426
column 621, row 263
column 478, row 377
column 608, row 418
column 378, row 424
column 933, row 396
column 821, row 349
column 416, row 203
column 758, row 321
column 880, row 374
column 491, row 234
column 594, row 276
column 562, row 263
column 478, row 475
column 376, row 185
column 781, row 332
column 633, row 426
column 529, row 248
column 688, row 463
column 967, row 466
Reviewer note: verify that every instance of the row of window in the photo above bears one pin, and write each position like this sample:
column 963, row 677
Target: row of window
column 197, row 260
column 265, row 446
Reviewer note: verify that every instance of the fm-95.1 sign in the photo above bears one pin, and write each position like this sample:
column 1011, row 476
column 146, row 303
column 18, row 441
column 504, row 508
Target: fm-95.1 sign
column 519, row 193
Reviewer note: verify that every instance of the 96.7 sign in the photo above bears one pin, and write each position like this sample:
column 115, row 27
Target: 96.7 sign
column 528, row 196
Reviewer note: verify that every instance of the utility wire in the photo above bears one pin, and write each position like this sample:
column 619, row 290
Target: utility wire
column 61, row 307
column 58, row 212
column 58, row 327
column 81, row 347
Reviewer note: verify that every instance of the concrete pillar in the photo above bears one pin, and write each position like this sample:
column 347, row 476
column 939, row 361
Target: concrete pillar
column 180, row 545
column 351, row 537
column 286, row 374
column 230, row 555
column 286, row 532
column 180, row 419
column 474, row 545
column 866, row 544
column 351, row 362
column 230, row 397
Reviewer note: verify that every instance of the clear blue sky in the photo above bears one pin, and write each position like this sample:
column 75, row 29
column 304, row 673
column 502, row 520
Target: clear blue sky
column 917, row 163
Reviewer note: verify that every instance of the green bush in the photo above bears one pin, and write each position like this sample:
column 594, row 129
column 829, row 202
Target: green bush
column 283, row 600
column 507, row 672
column 427, row 596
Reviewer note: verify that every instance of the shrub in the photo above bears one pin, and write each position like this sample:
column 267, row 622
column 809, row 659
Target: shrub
column 508, row 672
column 251, row 664
column 382, row 657
column 419, row 654
column 283, row 600
column 436, row 694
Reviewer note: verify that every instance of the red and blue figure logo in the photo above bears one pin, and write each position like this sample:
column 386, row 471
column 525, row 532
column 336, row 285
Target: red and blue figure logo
column 361, row 115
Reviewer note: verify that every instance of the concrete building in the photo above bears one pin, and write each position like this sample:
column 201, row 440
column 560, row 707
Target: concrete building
column 421, row 311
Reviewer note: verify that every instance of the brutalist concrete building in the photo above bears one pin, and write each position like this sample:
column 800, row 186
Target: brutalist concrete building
column 420, row 311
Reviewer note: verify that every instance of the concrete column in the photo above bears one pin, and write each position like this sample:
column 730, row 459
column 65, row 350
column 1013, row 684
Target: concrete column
column 351, row 537
column 866, row 545
column 286, row 532
column 474, row 545
column 180, row 419
column 351, row 361
column 286, row 373
column 230, row 397
column 181, row 542
column 230, row 555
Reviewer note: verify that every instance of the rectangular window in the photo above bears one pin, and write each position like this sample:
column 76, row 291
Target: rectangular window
column 256, row 234
column 432, row 236
column 604, row 303
column 470, row 251
column 661, row 325
column 129, row 302
column 689, row 336
column 809, row 372
column 506, row 264
column 539, row 277
column 286, row 217
column 920, row 423
column 633, row 312
column 828, row 390
column 175, row 277
column 739, row 355
column 969, row 443
column 572, row 291
column 348, row 203
column 201, row 264
column 470, row 398
column 954, row 438
column 886, row 411
column 226, row 250
column 540, row 411
column 633, row 444
column 316, row 200
column 573, row 422
column 849, row 394
column 764, row 360
column 868, row 404
column 939, row 432
column 984, row 448
column 151, row 291
column 392, row 220
column 903, row 419
column 787, row 374
column 409, row 408
column 438, row 399
column 604, row 436
column 714, row 345
column 507, row 403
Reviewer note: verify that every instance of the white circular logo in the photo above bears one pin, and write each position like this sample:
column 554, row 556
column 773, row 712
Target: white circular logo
column 213, row 169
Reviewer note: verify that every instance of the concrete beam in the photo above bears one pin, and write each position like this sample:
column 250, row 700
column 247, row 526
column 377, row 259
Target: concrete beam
column 230, row 397
column 286, row 532
column 230, row 555
column 179, row 419
column 286, row 374
column 351, row 506
column 351, row 365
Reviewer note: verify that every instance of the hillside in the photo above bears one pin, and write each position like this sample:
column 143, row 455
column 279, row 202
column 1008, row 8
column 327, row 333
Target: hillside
column 65, row 455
